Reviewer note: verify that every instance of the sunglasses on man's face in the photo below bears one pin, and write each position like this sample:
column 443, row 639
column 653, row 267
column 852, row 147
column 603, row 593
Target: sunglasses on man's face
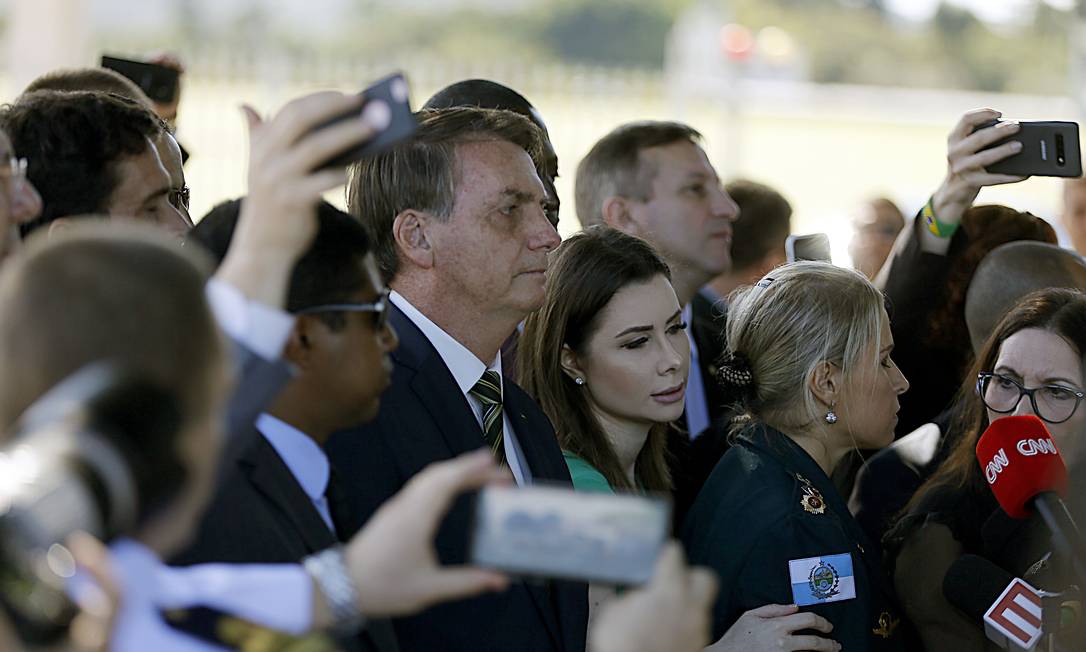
column 379, row 309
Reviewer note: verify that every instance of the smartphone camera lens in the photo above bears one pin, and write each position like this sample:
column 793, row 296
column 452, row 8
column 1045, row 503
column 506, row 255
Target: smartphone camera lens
column 1061, row 157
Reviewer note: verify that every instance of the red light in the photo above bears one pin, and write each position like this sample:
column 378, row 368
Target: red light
column 736, row 42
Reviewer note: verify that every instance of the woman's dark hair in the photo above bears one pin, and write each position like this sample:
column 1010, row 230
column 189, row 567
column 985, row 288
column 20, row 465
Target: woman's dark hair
column 984, row 228
column 1057, row 310
column 585, row 272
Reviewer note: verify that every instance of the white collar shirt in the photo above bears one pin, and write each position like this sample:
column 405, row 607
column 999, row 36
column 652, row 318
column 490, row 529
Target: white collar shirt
column 305, row 459
column 467, row 369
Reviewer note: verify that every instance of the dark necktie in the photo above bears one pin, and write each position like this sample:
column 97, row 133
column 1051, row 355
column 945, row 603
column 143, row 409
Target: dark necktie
column 489, row 393
column 343, row 514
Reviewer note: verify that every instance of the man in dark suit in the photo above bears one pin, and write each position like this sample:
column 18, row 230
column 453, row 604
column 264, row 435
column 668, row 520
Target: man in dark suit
column 460, row 235
column 487, row 94
column 280, row 501
column 758, row 246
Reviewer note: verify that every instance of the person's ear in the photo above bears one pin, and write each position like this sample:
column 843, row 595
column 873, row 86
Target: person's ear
column 826, row 383
column 300, row 345
column 571, row 366
column 617, row 215
column 411, row 231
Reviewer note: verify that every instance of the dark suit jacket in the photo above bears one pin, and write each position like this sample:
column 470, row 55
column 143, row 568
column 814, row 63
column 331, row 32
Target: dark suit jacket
column 260, row 514
column 259, row 381
column 914, row 282
column 756, row 514
column 708, row 320
column 692, row 462
column 423, row 419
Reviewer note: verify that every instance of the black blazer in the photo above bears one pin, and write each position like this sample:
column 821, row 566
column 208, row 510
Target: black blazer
column 914, row 282
column 691, row 462
column 768, row 503
column 260, row 514
column 424, row 418
column 708, row 319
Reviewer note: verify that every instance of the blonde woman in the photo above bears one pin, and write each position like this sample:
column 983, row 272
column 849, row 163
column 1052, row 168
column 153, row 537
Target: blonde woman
column 809, row 355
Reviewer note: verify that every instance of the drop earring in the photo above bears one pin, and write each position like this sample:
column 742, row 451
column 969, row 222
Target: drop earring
column 831, row 416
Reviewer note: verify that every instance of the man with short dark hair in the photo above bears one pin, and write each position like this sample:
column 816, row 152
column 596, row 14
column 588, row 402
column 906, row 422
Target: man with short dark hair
column 457, row 219
column 280, row 500
column 93, row 153
column 758, row 236
column 104, row 80
column 654, row 181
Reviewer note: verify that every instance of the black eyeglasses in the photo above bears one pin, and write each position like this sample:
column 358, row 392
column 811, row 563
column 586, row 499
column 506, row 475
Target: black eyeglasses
column 179, row 197
column 379, row 309
column 1051, row 403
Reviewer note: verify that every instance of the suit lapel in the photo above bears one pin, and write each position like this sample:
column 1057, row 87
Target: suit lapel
column 436, row 389
column 271, row 477
column 535, row 435
column 434, row 386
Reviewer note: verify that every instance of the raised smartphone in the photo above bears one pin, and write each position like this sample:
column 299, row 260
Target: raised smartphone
column 557, row 533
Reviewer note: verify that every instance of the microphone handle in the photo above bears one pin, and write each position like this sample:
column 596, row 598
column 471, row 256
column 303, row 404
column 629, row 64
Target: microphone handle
column 1065, row 534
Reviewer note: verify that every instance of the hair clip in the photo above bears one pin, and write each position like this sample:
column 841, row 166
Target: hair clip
column 764, row 283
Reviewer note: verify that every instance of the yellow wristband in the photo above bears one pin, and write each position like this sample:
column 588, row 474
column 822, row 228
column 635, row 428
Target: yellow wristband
column 937, row 228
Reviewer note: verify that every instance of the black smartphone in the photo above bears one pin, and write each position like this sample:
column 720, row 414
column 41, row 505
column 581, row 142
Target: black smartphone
column 402, row 124
column 556, row 533
column 160, row 83
column 815, row 246
column 1049, row 149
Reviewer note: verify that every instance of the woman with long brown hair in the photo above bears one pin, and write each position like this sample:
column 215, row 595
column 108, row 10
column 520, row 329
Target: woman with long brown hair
column 606, row 356
column 1031, row 364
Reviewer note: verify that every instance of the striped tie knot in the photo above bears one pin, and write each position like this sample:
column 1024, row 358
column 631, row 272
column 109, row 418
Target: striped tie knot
column 488, row 391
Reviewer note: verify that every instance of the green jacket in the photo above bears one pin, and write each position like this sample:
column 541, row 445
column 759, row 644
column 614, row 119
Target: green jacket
column 768, row 503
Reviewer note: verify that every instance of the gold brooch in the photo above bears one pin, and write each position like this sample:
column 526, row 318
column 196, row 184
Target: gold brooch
column 887, row 625
column 812, row 500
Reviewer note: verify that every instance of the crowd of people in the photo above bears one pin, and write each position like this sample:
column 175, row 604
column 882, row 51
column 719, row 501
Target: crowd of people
column 344, row 381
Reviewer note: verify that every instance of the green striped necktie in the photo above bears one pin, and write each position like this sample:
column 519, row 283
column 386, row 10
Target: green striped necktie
column 489, row 392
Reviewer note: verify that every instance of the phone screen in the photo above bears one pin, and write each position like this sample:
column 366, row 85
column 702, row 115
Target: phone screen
column 554, row 532
column 815, row 246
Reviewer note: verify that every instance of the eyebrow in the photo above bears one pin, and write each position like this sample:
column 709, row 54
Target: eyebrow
column 642, row 329
column 521, row 195
column 1052, row 380
column 165, row 190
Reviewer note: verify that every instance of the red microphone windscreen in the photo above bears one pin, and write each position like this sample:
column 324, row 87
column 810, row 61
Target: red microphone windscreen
column 1019, row 458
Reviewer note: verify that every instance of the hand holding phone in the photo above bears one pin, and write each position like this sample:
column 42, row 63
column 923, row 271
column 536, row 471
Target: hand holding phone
column 554, row 532
column 393, row 91
column 1049, row 149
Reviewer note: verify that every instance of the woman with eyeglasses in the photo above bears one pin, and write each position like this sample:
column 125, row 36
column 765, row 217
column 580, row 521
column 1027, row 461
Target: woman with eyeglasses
column 1032, row 364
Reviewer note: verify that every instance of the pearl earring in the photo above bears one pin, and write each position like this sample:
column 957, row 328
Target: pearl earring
column 579, row 380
